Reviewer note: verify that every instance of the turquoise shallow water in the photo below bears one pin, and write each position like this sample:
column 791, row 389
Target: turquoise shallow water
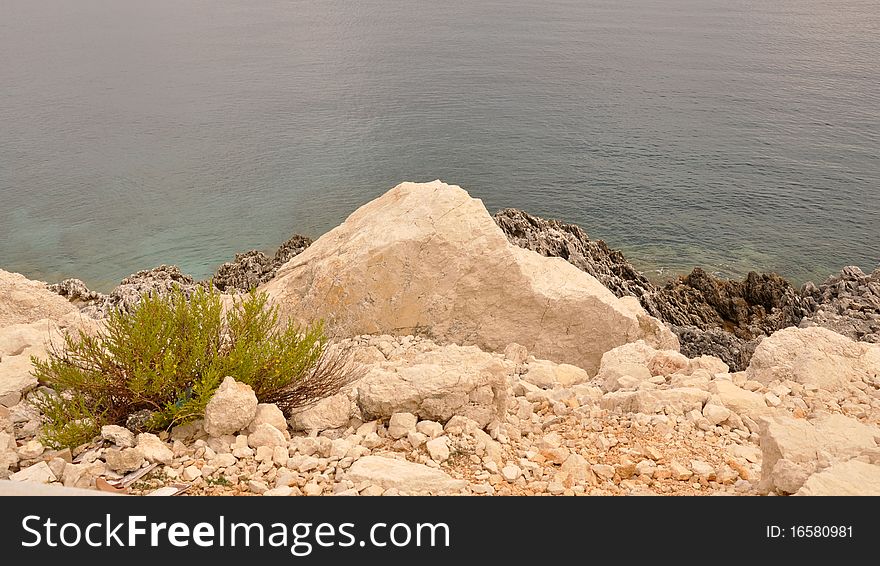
column 731, row 134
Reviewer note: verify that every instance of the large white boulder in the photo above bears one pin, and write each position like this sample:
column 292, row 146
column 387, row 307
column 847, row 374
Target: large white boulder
column 427, row 259
column 816, row 356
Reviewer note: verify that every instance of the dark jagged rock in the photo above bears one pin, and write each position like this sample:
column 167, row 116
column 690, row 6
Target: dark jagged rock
column 91, row 303
column 759, row 305
column 292, row 247
column 251, row 269
column 735, row 351
column 711, row 316
column 160, row 280
column 553, row 238
column 847, row 303
column 247, row 271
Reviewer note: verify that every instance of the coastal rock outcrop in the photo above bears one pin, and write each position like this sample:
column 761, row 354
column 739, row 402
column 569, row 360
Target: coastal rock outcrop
column 553, row 238
column 253, row 268
column 710, row 316
column 847, row 303
column 427, row 259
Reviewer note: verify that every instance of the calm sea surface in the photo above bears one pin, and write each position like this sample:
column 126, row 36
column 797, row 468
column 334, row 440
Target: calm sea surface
column 731, row 134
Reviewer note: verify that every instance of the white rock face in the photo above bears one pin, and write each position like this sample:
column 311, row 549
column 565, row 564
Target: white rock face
column 428, row 259
column 329, row 413
column 814, row 356
column 268, row 413
column 853, row 477
column 402, row 475
column 437, row 384
column 231, row 409
column 23, row 301
column 801, row 443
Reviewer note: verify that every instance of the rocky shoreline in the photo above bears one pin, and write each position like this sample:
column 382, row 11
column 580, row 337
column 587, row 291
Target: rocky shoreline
column 710, row 316
column 501, row 354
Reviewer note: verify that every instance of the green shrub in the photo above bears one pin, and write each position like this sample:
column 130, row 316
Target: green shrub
column 170, row 353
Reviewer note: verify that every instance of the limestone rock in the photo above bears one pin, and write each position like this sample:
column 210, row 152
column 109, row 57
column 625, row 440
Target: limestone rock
column 629, row 360
column 231, row 409
column 438, row 449
column 547, row 375
column 124, row 460
column 153, row 449
column 852, row 477
column 671, row 401
column 801, row 442
column 328, row 413
column 38, row 473
column 118, row 435
column 401, row 424
column 437, row 383
column 403, row 476
column 268, row 413
column 814, row 356
column 23, row 301
column 427, row 259
column 847, row 303
column 737, row 399
column 266, row 435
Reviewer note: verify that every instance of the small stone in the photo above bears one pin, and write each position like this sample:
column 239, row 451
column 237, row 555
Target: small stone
column 438, row 449
column 511, row 472
column 231, row 409
column 257, row 486
column 372, row 440
column 372, row 490
column 31, row 449
column 280, row 455
column 772, row 400
column 224, row 460
column 265, row 454
column 400, row 424
column 416, row 439
column 282, row 491
column 124, row 460
column 190, row 473
column 603, row 470
column 555, row 488
column 367, row 428
column 309, row 464
column 268, row 413
column 38, row 473
column 680, row 472
column 118, row 435
column 312, row 489
column 153, row 449
column 715, row 414
column 702, row 469
column 266, row 435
